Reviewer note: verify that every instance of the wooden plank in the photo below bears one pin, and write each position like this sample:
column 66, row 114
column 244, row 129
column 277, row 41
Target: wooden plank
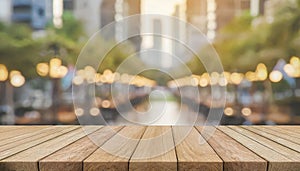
column 193, row 155
column 291, row 128
column 292, row 134
column 70, row 157
column 120, row 147
column 235, row 156
column 27, row 160
column 276, row 161
column 295, row 130
column 274, row 138
column 9, row 128
column 295, row 156
column 13, row 148
column 284, row 135
column 17, row 132
column 155, row 151
column 21, row 139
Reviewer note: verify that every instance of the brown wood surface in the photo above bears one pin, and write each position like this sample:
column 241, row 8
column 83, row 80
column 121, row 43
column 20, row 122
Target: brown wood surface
column 116, row 152
column 275, row 138
column 27, row 160
column 11, row 128
column 72, row 148
column 280, row 132
column 235, row 156
column 160, row 153
column 70, row 157
column 192, row 154
column 20, row 131
column 276, row 161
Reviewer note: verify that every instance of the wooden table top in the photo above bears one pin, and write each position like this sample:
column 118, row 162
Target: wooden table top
column 52, row 148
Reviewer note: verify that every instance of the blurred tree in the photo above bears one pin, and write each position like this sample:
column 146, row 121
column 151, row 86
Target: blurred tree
column 243, row 43
column 18, row 50
column 72, row 29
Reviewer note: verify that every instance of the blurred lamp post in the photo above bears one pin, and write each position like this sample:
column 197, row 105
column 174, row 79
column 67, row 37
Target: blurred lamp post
column 16, row 79
column 55, row 70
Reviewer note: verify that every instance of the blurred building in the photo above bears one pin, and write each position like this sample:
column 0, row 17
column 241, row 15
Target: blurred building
column 161, row 51
column 6, row 11
column 211, row 15
column 95, row 14
column 258, row 7
column 35, row 13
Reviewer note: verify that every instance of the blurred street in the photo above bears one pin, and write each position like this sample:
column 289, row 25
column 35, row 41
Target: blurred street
column 236, row 62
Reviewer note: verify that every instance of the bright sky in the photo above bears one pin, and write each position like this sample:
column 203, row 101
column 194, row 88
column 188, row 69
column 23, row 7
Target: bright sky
column 164, row 7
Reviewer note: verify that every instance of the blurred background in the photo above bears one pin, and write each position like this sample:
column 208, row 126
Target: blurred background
column 258, row 42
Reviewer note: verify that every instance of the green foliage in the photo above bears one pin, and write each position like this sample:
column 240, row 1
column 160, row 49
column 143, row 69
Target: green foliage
column 18, row 50
column 246, row 41
column 116, row 56
column 72, row 29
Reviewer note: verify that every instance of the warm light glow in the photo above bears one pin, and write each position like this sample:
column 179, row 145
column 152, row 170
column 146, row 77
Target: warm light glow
column 109, row 76
column 223, row 81
column 293, row 68
column 77, row 80
column 13, row 73
column 204, row 80
column 94, row 111
column 16, row 79
column 214, row 78
column 105, row 103
column 246, row 111
column 275, row 76
column 124, row 78
column 79, row 111
column 97, row 77
column 107, row 72
column 236, row 78
column 62, row 71
column 290, row 70
column 295, row 61
column 228, row 111
column 194, row 82
column 172, row 84
column 227, row 76
column 261, row 72
column 3, row 73
column 57, row 70
column 55, row 63
column 42, row 69
column 251, row 76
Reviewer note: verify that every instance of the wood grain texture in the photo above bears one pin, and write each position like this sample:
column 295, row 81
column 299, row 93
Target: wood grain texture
column 193, row 155
column 49, row 148
column 276, row 160
column 294, row 128
column 70, row 157
column 20, row 137
column 274, row 138
column 11, row 128
column 286, row 134
column 289, row 153
column 16, row 132
column 27, row 160
column 160, row 153
column 14, row 148
column 235, row 156
column 116, row 152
